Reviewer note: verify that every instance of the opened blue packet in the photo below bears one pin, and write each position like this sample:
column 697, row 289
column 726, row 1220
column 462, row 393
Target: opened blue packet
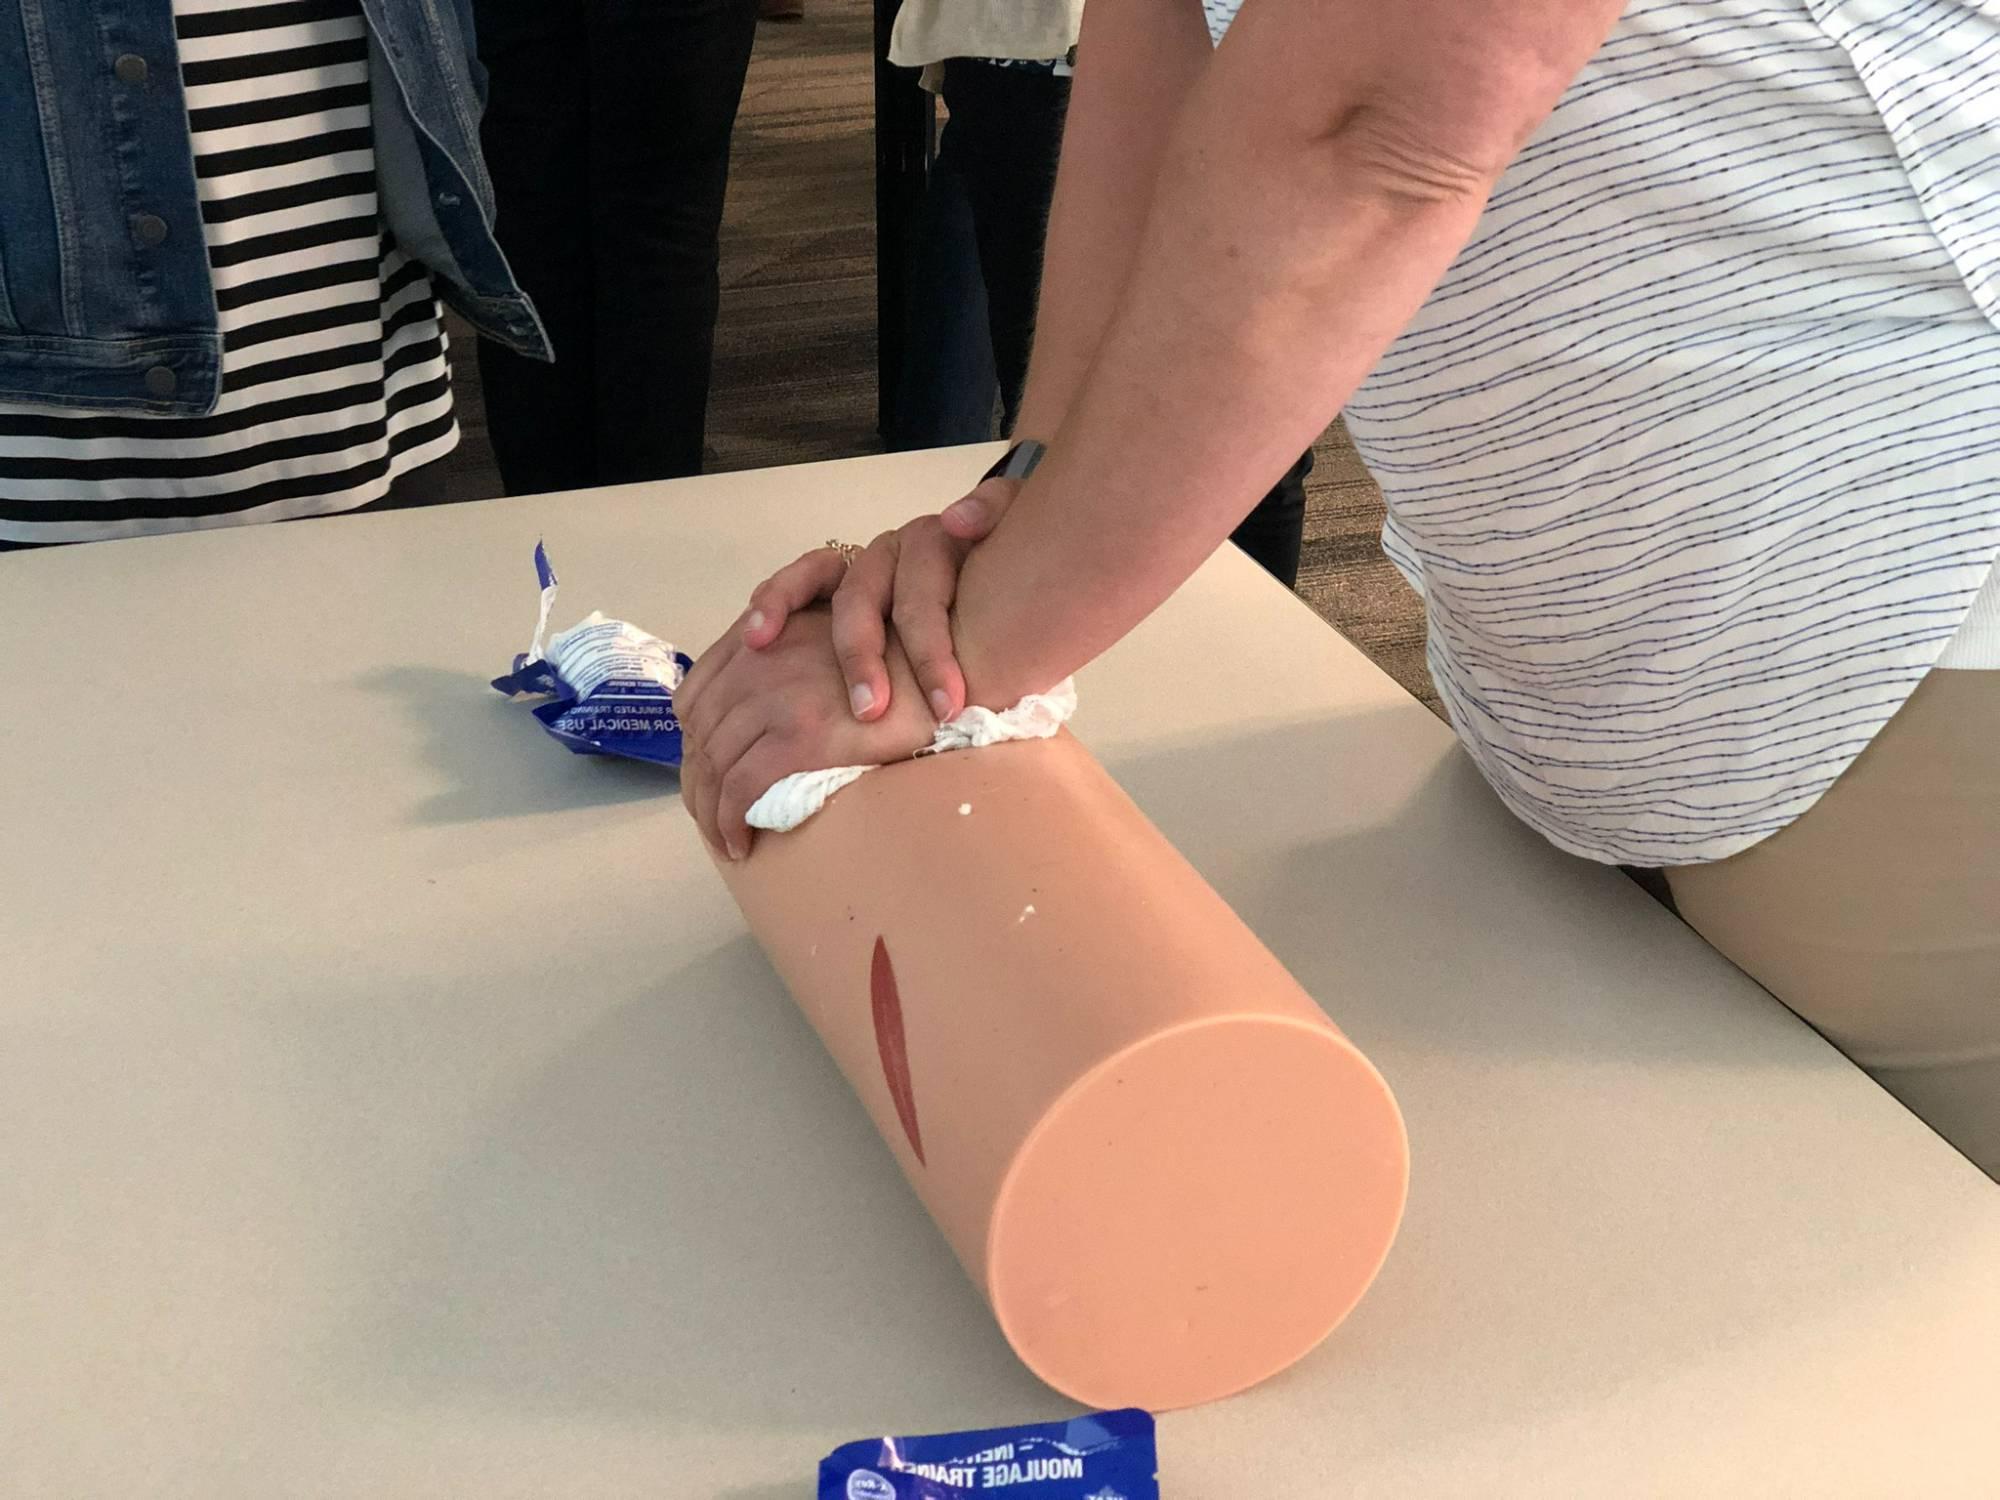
column 1109, row 1456
column 611, row 686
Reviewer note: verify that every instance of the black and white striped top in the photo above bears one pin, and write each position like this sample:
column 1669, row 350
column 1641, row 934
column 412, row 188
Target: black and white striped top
column 334, row 378
column 1695, row 452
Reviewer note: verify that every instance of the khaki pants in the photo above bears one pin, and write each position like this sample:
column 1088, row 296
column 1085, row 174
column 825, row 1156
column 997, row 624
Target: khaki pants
column 1876, row 916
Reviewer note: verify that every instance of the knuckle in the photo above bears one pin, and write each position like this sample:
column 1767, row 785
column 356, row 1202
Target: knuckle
column 739, row 791
column 935, row 563
column 928, row 564
column 919, row 622
column 857, row 630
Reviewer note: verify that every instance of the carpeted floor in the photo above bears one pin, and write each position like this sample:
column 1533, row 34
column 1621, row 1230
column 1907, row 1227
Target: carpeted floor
column 795, row 363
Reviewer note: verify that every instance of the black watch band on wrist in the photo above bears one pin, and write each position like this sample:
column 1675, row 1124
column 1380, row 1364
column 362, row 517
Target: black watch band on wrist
column 1018, row 462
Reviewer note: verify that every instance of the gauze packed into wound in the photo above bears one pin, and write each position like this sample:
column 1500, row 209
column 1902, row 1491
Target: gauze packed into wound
column 1036, row 717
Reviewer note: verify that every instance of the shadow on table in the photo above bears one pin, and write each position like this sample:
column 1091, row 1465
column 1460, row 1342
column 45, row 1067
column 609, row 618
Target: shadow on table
column 1437, row 842
column 1599, row 1103
column 686, row 1218
column 498, row 759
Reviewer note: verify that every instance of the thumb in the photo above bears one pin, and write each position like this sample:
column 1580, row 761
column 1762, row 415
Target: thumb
column 972, row 518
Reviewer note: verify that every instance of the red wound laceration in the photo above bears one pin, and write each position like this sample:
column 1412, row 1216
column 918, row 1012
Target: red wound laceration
column 889, row 1042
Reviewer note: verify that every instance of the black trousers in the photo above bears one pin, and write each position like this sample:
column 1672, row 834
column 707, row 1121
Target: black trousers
column 607, row 133
column 1002, row 141
column 996, row 168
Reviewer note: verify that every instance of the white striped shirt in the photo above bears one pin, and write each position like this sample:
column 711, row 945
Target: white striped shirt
column 333, row 369
column 1695, row 452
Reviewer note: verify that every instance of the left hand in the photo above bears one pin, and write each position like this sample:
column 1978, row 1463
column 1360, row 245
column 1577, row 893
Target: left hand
column 752, row 718
column 907, row 578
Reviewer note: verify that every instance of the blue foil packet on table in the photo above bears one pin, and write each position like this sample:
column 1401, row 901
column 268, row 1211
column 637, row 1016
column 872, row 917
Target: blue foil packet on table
column 610, row 685
column 1106, row 1457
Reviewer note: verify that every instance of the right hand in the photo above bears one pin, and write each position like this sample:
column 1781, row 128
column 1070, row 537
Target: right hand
column 908, row 577
column 752, row 718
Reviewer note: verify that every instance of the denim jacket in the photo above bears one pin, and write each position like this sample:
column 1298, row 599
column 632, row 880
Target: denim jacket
column 99, row 308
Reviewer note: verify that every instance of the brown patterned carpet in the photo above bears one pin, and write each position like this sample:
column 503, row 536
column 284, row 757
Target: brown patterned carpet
column 795, row 363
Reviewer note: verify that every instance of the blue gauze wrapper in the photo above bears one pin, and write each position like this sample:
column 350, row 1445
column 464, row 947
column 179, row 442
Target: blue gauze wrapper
column 1106, row 1457
column 610, row 685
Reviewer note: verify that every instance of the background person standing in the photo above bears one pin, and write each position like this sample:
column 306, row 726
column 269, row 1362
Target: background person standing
column 1004, row 68
column 220, row 252
column 607, row 130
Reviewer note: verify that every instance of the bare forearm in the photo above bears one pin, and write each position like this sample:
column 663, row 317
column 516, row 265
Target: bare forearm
column 1282, row 254
column 1254, row 310
column 1136, row 62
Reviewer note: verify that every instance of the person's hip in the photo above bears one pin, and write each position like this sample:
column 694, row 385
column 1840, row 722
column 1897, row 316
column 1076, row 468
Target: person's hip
column 1876, row 915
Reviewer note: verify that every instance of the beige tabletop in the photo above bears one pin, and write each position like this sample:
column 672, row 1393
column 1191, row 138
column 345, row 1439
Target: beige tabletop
column 393, row 1105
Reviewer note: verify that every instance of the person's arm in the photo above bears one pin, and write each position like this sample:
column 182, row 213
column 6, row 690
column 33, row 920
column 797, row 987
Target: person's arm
column 1321, row 177
column 1136, row 66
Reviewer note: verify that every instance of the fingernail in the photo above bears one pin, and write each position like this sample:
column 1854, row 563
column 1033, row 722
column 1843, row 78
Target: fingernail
column 733, row 849
column 862, row 696
column 941, row 704
column 968, row 512
column 756, row 620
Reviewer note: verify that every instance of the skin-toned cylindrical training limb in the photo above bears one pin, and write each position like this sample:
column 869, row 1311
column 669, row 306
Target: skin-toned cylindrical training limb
column 1167, row 1171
